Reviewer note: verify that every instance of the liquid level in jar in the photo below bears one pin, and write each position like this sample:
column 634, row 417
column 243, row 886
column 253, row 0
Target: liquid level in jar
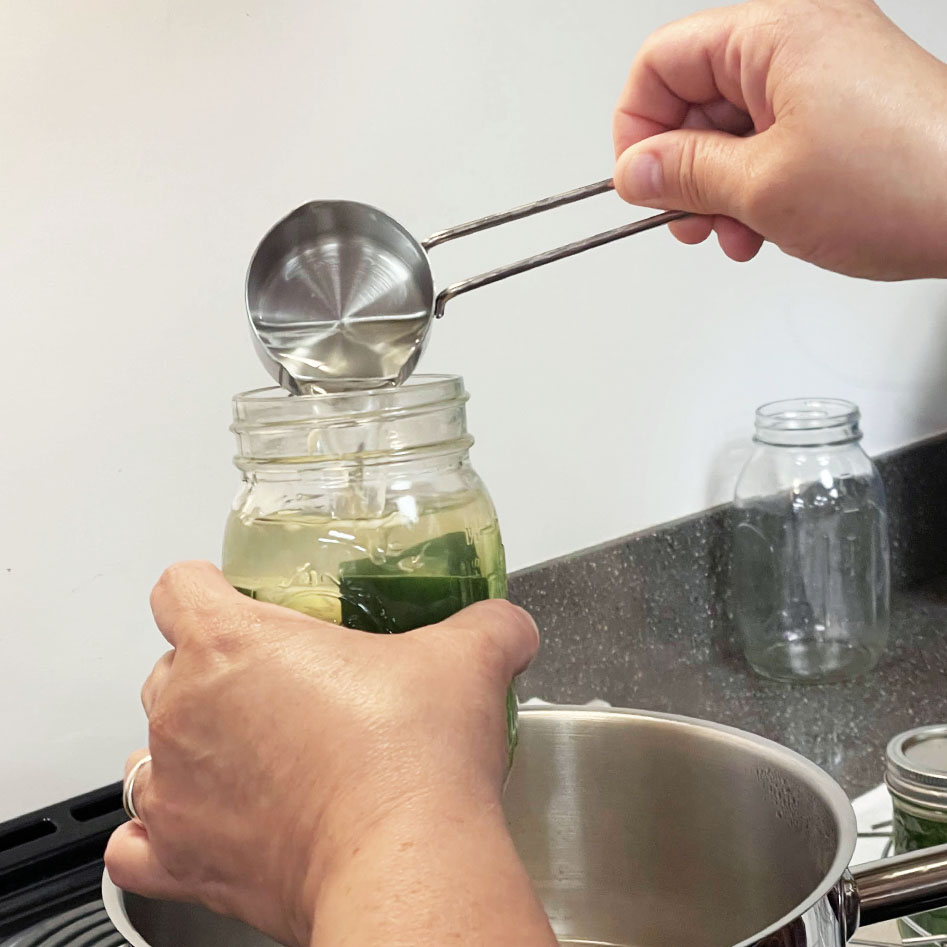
column 386, row 575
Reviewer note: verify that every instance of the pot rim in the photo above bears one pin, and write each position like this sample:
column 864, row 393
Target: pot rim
column 113, row 898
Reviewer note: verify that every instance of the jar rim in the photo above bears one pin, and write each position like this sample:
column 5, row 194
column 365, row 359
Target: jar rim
column 276, row 405
column 425, row 414
column 278, row 395
column 806, row 414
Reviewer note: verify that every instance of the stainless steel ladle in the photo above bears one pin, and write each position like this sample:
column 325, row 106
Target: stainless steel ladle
column 341, row 296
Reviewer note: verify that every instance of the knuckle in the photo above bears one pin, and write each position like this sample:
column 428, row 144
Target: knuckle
column 658, row 39
column 515, row 615
column 172, row 577
column 184, row 598
column 489, row 649
column 184, row 580
column 163, row 726
column 497, row 614
column 166, row 594
column 499, row 609
column 156, row 593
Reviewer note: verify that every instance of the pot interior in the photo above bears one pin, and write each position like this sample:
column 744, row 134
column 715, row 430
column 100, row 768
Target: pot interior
column 638, row 830
column 644, row 830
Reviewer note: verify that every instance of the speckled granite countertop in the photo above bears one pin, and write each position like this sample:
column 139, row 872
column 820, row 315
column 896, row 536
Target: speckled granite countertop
column 643, row 623
column 842, row 727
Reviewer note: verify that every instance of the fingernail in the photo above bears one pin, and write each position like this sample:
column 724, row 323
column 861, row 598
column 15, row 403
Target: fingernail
column 643, row 178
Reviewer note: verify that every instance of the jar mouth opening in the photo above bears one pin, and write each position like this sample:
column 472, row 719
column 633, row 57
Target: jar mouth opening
column 276, row 405
column 278, row 395
column 806, row 414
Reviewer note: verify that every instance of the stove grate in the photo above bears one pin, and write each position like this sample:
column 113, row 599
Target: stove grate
column 84, row 926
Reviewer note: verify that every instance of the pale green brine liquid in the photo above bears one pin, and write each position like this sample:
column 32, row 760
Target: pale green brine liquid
column 388, row 574
column 311, row 562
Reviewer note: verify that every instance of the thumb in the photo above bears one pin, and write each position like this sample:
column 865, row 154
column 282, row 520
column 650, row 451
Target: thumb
column 133, row 866
column 496, row 627
column 704, row 172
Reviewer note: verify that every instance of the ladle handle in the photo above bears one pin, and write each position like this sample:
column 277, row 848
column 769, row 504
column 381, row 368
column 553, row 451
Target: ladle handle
column 518, row 213
column 539, row 259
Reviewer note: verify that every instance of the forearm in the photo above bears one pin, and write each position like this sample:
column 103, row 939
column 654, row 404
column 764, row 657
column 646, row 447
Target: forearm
column 433, row 877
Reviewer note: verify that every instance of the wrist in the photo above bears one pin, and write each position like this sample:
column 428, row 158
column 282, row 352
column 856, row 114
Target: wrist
column 437, row 868
column 393, row 835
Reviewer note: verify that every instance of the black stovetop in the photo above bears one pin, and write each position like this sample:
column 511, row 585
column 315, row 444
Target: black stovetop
column 51, row 871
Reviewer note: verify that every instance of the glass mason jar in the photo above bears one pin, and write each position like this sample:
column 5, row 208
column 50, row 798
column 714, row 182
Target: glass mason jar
column 810, row 546
column 362, row 508
column 916, row 774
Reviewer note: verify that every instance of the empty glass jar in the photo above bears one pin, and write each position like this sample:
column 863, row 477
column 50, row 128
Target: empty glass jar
column 810, row 546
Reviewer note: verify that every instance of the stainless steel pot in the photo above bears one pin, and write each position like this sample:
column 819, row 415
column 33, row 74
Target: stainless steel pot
column 648, row 830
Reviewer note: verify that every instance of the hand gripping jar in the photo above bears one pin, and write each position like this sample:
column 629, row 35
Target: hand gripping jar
column 362, row 508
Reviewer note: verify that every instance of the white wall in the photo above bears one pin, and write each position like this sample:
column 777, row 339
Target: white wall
column 145, row 148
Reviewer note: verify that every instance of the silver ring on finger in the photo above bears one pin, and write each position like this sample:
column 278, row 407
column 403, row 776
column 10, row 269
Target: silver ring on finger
column 128, row 791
